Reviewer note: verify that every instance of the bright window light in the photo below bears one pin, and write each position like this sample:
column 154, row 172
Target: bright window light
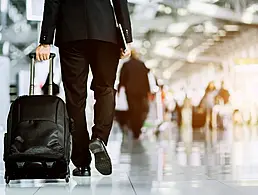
column 173, row 41
column 193, row 55
column 4, row 5
column 178, row 28
column 249, row 68
column 34, row 10
column 210, row 28
column 206, row 9
column 6, row 48
column 167, row 74
column 247, row 18
column 164, row 51
column 169, row 42
column 253, row 8
column 152, row 63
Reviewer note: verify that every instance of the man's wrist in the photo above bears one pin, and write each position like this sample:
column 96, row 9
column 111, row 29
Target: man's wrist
column 44, row 45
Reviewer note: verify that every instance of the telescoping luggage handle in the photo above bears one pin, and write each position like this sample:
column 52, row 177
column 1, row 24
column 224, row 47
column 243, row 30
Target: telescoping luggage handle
column 32, row 73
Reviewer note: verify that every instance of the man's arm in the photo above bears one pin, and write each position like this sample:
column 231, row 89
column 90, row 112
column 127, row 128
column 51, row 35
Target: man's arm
column 51, row 10
column 123, row 18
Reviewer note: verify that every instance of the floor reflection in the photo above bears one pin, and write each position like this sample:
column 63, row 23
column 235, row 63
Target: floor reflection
column 176, row 162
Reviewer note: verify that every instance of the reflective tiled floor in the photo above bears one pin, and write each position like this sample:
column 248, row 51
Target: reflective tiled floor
column 211, row 163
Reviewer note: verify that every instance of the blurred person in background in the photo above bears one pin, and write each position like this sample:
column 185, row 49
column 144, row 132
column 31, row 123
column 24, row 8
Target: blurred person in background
column 56, row 88
column 224, row 93
column 186, row 113
column 87, row 35
column 134, row 77
column 208, row 100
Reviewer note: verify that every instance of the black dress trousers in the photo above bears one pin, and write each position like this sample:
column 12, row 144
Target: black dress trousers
column 76, row 58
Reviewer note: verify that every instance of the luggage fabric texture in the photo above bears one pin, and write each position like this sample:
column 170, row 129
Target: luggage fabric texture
column 37, row 144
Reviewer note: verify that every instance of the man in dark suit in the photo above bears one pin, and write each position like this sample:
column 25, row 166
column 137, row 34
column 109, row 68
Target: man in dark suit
column 86, row 35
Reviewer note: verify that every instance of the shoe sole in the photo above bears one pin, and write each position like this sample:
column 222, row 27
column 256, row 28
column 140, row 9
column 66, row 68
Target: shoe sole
column 102, row 160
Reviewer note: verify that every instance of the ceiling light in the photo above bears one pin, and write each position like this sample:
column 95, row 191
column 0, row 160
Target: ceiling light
column 161, row 7
column 146, row 44
column 173, row 41
column 178, row 28
column 210, row 28
column 167, row 74
column 193, row 55
column 164, row 51
column 199, row 7
column 182, row 12
column 231, row 28
column 168, row 10
column 216, row 37
column 143, row 51
column 198, row 28
column 151, row 63
column 222, row 33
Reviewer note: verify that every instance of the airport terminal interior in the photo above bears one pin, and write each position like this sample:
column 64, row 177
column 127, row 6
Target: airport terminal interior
column 200, row 134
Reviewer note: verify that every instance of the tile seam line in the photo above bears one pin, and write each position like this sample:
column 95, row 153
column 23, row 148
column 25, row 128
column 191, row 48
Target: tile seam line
column 131, row 184
column 229, row 186
column 37, row 190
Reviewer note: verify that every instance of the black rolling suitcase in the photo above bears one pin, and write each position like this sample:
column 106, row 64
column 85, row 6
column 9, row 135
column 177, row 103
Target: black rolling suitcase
column 37, row 142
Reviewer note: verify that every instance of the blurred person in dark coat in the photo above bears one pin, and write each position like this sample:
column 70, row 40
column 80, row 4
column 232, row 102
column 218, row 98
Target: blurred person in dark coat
column 134, row 77
column 56, row 88
column 224, row 93
column 87, row 36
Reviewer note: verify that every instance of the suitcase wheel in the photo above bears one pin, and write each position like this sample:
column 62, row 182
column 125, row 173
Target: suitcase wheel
column 67, row 179
column 7, row 180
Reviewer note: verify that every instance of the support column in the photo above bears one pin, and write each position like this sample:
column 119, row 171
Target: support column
column 4, row 10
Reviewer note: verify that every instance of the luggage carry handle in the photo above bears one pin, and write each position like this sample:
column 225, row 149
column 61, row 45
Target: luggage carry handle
column 32, row 73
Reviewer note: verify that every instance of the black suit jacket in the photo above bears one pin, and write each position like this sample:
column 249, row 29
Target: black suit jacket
column 134, row 77
column 84, row 19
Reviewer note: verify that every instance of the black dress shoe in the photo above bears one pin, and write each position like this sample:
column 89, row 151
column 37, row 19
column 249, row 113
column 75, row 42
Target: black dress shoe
column 102, row 159
column 82, row 172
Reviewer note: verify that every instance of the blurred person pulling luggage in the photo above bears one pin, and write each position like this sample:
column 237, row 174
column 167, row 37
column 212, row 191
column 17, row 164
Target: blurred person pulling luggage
column 224, row 93
column 87, row 34
column 56, row 88
column 134, row 77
